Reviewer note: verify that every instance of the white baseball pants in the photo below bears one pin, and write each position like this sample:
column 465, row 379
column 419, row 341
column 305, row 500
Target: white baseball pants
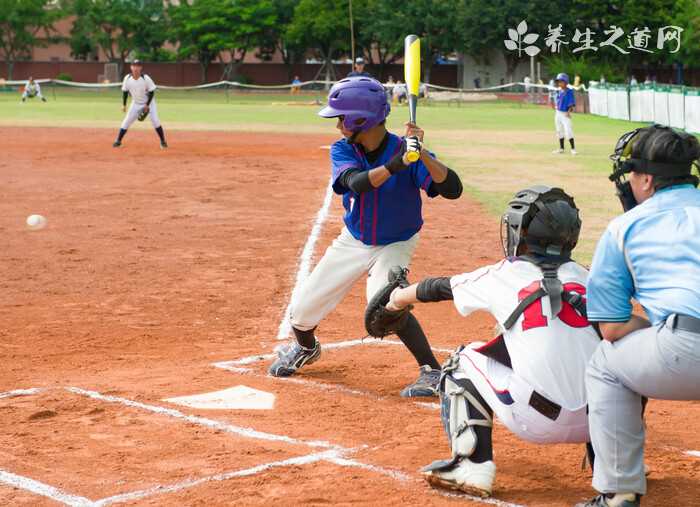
column 508, row 395
column 563, row 125
column 657, row 362
column 344, row 262
column 133, row 113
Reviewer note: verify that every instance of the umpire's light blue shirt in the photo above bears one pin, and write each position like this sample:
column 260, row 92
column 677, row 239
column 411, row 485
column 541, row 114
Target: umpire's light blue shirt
column 651, row 254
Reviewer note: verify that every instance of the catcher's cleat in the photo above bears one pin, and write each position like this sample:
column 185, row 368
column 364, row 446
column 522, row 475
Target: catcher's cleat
column 163, row 145
column 613, row 500
column 116, row 144
column 466, row 476
column 292, row 357
column 426, row 385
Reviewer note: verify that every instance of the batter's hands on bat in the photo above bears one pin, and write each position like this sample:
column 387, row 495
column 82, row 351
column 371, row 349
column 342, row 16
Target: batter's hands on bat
column 413, row 130
column 413, row 145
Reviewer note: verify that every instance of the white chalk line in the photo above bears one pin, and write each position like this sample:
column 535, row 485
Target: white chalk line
column 489, row 500
column 21, row 392
column 39, row 488
column 190, row 483
column 305, row 260
column 256, row 358
column 695, row 454
column 203, row 421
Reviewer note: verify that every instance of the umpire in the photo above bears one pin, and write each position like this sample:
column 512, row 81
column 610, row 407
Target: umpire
column 651, row 254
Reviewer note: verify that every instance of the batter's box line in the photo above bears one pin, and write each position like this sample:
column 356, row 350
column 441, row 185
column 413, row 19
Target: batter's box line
column 334, row 454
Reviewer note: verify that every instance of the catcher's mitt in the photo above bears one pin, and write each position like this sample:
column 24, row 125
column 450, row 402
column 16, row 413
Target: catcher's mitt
column 380, row 322
column 143, row 114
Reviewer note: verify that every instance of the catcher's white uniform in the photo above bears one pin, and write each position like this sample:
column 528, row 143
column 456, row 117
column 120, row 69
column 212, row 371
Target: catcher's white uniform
column 139, row 89
column 548, row 356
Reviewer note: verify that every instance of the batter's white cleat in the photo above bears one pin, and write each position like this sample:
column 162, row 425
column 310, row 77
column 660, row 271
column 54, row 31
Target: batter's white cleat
column 574, row 152
column 558, row 152
column 466, row 476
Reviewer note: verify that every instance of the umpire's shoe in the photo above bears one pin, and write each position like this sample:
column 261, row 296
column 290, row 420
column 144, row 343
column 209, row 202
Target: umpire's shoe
column 613, row 500
column 293, row 356
column 425, row 386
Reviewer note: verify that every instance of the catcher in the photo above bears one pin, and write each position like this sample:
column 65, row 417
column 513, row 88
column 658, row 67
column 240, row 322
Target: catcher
column 381, row 193
column 532, row 375
column 143, row 104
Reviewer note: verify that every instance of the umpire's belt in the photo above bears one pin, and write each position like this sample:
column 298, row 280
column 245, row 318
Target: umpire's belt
column 546, row 407
column 684, row 323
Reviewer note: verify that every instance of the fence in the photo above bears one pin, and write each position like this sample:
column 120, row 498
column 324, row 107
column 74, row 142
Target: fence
column 675, row 106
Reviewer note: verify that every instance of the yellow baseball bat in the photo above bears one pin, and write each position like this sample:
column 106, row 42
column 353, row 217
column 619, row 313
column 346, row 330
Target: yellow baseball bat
column 411, row 71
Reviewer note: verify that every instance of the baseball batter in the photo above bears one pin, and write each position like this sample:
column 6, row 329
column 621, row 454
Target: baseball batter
column 650, row 254
column 382, row 199
column 32, row 89
column 532, row 375
column 564, row 105
column 142, row 90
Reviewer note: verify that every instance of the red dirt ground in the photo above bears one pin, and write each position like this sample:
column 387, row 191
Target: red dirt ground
column 156, row 264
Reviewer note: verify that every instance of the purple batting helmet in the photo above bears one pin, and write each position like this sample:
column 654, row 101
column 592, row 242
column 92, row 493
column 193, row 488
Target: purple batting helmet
column 360, row 100
column 563, row 77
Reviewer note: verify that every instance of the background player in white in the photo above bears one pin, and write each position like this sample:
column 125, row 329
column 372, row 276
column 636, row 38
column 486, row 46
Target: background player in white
column 650, row 254
column 531, row 375
column 382, row 197
column 142, row 90
column 31, row 90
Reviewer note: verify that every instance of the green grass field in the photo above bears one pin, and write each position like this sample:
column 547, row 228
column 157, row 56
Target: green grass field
column 497, row 147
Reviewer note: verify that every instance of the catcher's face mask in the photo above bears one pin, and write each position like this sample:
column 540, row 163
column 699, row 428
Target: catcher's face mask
column 512, row 221
column 624, row 163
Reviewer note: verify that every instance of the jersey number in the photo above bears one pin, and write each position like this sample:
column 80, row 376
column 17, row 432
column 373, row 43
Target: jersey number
column 533, row 316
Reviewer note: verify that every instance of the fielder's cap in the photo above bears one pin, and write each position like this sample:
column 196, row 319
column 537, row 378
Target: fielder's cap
column 563, row 77
column 136, row 62
column 359, row 60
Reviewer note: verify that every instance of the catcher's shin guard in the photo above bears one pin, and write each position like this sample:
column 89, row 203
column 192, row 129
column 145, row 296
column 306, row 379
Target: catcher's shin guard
column 461, row 409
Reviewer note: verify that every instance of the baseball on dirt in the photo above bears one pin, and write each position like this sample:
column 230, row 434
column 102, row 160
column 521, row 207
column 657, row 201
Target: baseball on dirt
column 36, row 222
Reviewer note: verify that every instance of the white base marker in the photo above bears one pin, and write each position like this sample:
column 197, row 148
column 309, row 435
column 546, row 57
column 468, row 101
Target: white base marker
column 305, row 261
column 203, row 421
column 39, row 488
column 695, row 454
column 234, row 398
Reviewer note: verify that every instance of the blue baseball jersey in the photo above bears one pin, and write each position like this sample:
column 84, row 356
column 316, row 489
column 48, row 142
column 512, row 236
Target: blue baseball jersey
column 650, row 254
column 565, row 99
column 386, row 214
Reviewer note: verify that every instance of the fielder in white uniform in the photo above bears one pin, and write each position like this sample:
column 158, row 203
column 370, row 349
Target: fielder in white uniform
column 142, row 90
column 32, row 89
column 532, row 376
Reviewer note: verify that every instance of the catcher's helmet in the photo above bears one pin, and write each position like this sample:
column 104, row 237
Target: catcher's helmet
column 562, row 77
column 360, row 100
column 545, row 219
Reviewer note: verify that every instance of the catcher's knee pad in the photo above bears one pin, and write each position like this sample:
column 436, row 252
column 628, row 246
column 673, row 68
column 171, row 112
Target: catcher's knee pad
column 461, row 409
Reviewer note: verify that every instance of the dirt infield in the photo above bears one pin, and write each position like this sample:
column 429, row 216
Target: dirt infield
column 158, row 265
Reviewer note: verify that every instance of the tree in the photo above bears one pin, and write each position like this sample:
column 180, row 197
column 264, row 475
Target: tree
column 24, row 25
column 211, row 29
column 380, row 31
column 118, row 27
column 322, row 26
column 275, row 38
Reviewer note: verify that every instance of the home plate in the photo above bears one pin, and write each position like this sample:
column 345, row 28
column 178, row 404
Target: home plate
column 233, row 398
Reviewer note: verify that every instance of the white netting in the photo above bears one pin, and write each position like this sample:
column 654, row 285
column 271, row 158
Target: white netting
column 661, row 115
column 692, row 110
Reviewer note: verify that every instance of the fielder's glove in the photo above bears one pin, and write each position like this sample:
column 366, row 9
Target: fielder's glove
column 143, row 114
column 380, row 322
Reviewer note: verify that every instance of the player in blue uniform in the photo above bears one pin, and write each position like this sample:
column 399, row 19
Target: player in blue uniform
column 565, row 103
column 382, row 199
